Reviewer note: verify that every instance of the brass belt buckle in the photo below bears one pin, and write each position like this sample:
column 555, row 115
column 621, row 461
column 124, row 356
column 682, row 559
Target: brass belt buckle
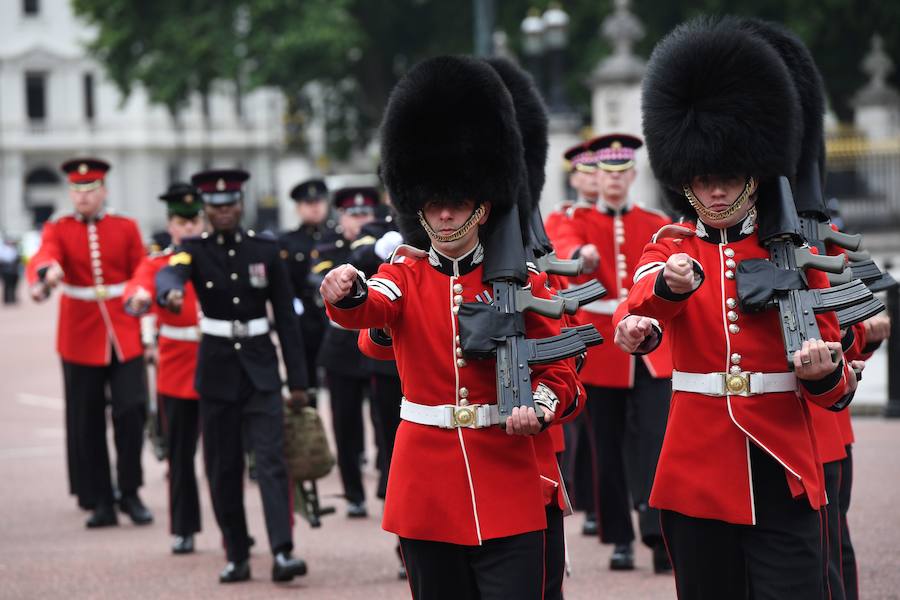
column 100, row 291
column 463, row 416
column 240, row 329
column 737, row 384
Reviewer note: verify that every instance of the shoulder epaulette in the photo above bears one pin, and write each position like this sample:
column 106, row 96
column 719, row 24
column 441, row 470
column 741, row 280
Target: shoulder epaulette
column 674, row 231
column 264, row 236
column 406, row 254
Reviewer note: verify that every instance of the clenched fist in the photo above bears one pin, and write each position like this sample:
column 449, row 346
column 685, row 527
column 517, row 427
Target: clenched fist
column 140, row 302
column 632, row 331
column 814, row 359
column 338, row 283
column 878, row 328
column 590, row 258
column 679, row 273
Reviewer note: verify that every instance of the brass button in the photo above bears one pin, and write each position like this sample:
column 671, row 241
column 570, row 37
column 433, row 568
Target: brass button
column 732, row 316
column 204, row 235
column 457, row 300
column 735, row 370
column 734, row 328
column 234, row 276
column 299, row 256
column 729, row 274
column 457, row 340
column 339, row 243
column 459, row 352
column 231, row 252
column 731, row 303
column 463, row 402
column 730, row 263
column 736, row 358
column 455, row 310
column 463, row 392
column 460, row 362
column 728, row 252
column 237, row 345
column 209, row 284
column 236, row 300
column 98, row 280
column 457, row 288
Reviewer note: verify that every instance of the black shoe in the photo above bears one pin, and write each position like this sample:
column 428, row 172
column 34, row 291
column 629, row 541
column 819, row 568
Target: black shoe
column 285, row 567
column 401, row 572
column 183, row 544
column 104, row 516
column 661, row 562
column 357, row 510
column 589, row 527
column 622, row 558
column 131, row 505
column 235, row 571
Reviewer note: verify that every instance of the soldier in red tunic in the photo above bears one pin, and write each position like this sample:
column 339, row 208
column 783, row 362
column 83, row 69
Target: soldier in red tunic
column 179, row 338
column 89, row 254
column 627, row 396
column 739, row 480
column 465, row 497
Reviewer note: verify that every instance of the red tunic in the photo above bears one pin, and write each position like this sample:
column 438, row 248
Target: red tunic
column 461, row 485
column 704, row 466
column 620, row 236
column 177, row 358
column 87, row 329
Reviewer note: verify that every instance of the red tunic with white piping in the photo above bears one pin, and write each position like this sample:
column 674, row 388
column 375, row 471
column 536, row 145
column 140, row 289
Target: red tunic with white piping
column 97, row 257
column 704, row 466
column 619, row 235
column 460, row 485
column 179, row 334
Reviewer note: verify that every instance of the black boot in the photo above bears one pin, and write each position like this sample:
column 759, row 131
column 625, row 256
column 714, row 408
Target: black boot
column 103, row 516
column 589, row 527
column 235, row 571
column 131, row 505
column 285, row 567
column 661, row 562
column 183, row 544
column 622, row 558
column 401, row 572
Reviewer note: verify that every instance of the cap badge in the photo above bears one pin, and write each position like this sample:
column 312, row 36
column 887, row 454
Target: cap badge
column 358, row 200
column 220, row 185
column 310, row 190
column 616, row 145
column 188, row 198
column 82, row 168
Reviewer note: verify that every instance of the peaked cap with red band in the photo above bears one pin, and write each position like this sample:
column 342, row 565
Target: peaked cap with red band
column 220, row 186
column 615, row 151
column 580, row 157
column 85, row 174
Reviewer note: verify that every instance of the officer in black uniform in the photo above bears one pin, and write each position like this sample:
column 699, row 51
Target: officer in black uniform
column 298, row 249
column 347, row 371
column 236, row 274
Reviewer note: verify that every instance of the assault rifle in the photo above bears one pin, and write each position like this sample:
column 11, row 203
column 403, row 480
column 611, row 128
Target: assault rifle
column 498, row 329
column 781, row 282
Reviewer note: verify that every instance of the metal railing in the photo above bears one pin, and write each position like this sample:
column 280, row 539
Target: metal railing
column 865, row 176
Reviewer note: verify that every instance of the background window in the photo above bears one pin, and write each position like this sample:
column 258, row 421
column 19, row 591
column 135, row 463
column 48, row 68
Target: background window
column 89, row 108
column 31, row 7
column 36, row 95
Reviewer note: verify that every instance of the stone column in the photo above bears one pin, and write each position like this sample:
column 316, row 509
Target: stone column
column 616, row 94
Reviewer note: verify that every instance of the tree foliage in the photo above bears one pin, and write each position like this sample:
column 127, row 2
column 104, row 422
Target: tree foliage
column 357, row 49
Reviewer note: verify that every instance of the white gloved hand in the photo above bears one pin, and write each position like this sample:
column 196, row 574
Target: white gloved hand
column 387, row 244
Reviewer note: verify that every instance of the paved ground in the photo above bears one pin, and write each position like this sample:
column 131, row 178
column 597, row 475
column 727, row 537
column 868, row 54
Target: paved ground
column 45, row 551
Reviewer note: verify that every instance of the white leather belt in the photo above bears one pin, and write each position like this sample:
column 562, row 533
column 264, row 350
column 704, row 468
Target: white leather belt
column 601, row 307
column 733, row 384
column 93, row 292
column 450, row 416
column 234, row 329
column 182, row 334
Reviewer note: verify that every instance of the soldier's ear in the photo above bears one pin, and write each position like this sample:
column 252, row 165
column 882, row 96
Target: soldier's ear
column 487, row 213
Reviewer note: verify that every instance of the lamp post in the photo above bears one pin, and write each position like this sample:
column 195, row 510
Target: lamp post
column 544, row 41
column 533, row 45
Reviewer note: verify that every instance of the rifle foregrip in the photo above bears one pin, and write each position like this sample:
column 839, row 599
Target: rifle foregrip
column 556, row 266
column 847, row 241
column 548, row 308
column 807, row 260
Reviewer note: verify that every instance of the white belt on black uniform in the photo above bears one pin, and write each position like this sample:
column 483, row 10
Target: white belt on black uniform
column 234, row 329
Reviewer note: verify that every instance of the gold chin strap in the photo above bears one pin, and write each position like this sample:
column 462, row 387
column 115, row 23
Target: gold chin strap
column 460, row 233
column 709, row 215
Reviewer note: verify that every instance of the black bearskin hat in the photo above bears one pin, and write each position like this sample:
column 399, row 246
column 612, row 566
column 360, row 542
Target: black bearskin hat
column 449, row 132
column 531, row 116
column 808, row 83
column 718, row 100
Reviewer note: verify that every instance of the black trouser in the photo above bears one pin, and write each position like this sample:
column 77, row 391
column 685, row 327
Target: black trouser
column 261, row 415
column 629, row 426
column 554, row 554
column 182, row 429
column 778, row 558
column 499, row 569
column 10, row 282
column 88, row 457
column 831, row 540
column 579, row 462
column 347, row 395
column 848, row 555
column 385, row 407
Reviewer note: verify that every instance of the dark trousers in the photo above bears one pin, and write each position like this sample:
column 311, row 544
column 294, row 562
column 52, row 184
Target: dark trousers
column 10, row 283
column 386, row 396
column 848, row 555
column 182, row 430
column 579, row 462
column 86, row 391
column 554, row 554
column 629, row 426
column 499, row 569
column 259, row 414
column 347, row 394
column 831, row 540
column 778, row 558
